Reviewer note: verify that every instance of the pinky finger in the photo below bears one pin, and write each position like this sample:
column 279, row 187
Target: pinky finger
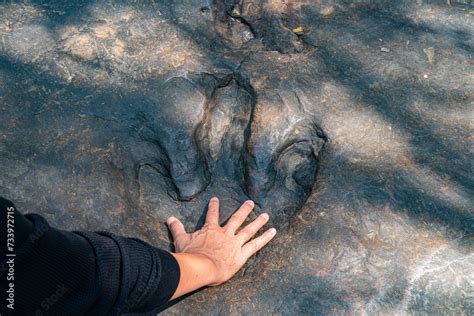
column 250, row 248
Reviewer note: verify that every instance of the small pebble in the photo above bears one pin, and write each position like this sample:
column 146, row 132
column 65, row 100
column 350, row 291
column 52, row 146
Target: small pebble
column 247, row 36
column 385, row 49
column 236, row 11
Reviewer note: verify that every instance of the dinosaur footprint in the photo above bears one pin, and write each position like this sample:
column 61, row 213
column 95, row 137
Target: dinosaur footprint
column 203, row 133
column 219, row 140
column 282, row 155
column 179, row 110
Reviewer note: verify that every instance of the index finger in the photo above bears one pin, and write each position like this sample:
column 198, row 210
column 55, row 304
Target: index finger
column 212, row 215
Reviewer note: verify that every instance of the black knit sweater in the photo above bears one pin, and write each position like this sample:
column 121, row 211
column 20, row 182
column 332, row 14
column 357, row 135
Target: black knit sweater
column 55, row 272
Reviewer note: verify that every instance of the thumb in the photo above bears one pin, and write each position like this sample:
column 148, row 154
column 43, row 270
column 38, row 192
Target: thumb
column 175, row 226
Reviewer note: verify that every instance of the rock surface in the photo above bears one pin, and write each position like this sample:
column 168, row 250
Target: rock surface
column 354, row 133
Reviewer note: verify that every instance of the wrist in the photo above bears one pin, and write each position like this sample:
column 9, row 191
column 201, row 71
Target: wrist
column 210, row 269
column 196, row 271
column 202, row 265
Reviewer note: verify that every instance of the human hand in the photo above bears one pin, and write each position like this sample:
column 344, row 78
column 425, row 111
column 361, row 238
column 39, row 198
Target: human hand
column 218, row 252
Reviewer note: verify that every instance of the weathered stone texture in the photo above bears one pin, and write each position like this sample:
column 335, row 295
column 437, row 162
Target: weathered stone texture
column 350, row 122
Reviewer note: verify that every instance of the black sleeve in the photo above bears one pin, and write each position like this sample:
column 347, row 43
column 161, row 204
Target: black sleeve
column 57, row 272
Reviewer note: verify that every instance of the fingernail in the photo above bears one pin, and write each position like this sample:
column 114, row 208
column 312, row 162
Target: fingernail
column 250, row 202
column 170, row 220
column 265, row 216
column 272, row 231
column 214, row 198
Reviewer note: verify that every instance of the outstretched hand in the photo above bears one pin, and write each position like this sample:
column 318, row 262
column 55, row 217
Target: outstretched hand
column 213, row 254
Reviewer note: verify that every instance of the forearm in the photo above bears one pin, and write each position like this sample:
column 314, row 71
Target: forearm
column 49, row 265
column 90, row 272
column 196, row 271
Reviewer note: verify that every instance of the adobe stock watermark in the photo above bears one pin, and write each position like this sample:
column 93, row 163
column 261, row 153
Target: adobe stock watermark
column 48, row 302
column 7, row 270
column 9, row 267
column 131, row 302
column 37, row 234
column 47, row 305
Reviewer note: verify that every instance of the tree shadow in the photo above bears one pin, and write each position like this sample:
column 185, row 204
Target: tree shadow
column 398, row 188
column 393, row 100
